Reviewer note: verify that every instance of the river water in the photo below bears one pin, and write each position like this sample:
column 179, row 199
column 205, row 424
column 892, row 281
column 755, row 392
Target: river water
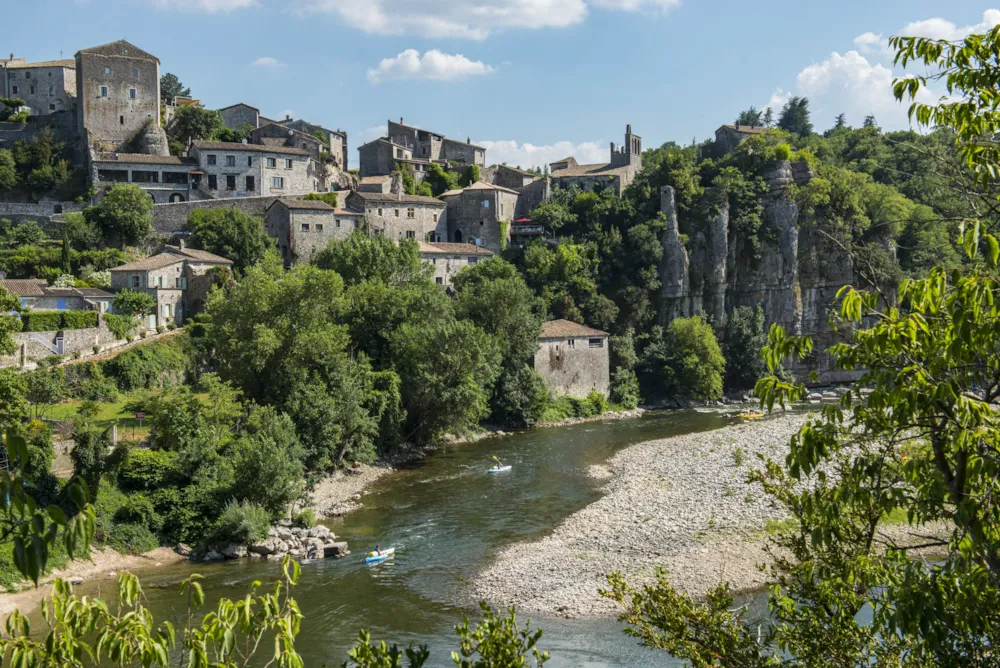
column 446, row 516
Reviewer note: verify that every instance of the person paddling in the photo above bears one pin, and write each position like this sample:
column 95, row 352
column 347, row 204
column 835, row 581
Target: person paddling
column 378, row 550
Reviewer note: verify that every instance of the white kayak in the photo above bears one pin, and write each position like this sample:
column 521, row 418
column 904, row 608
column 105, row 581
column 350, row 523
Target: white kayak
column 378, row 557
column 499, row 469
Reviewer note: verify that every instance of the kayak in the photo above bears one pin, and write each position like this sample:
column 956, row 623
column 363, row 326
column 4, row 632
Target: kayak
column 750, row 416
column 502, row 469
column 373, row 558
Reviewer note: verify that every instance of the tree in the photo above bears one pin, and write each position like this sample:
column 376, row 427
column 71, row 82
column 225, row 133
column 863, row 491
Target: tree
column 193, row 122
column 90, row 454
column 268, row 462
column 231, row 233
column 684, row 360
column 768, row 118
column 10, row 322
column 171, row 88
column 839, row 124
column 8, row 170
column 745, row 339
column 134, row 303
column 553, row 215
column 360, row 258
column 44, row 390
column 794, row 117
column 125, row 214
column 751, row 116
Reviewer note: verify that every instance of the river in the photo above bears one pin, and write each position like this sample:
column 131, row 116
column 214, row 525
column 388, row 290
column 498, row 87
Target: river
column 446, row 516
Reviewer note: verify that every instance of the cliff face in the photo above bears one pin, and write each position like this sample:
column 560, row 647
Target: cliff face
column 795, row 280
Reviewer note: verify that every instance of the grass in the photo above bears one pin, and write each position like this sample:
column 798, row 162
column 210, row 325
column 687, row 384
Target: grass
column 775, row 527
column 107, row 414
column 564, row 408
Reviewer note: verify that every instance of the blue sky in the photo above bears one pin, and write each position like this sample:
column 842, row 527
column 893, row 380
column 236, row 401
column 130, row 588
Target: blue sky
column 532, row 80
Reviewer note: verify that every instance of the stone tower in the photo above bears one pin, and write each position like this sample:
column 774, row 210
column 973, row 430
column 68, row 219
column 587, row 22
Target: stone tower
column 630, row 153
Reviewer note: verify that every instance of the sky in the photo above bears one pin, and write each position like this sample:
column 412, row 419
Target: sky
column 531, row 80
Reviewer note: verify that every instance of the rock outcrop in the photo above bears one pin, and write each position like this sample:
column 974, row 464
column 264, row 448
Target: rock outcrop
column 795, row 279
column 153, row 141
column 315, row 543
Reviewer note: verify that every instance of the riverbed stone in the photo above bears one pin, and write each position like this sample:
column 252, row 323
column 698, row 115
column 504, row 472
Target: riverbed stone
column 284, row 533
column 212, row 555
column 336, row 549
column 234, row 551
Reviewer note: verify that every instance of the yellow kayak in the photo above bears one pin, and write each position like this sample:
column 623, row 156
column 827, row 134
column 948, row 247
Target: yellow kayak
column 750, row 415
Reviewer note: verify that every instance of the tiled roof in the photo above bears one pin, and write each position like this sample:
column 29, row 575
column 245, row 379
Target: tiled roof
column 398, row 199
column 144, row 159
column 237, row 146
column 348, row 212
column 197, row 254
column 71, row 64
column 453, row 249
column 481, row 185
column 571, row 160
column 464, row 143
column 747, row 129
column 94, row 292
column 520, row 171
column 304, row 204
column 588, row 170
column 452, row 193
column 152, row 262
column 241, row 104
column 374, row 179
column 24, row 287
column 562, row 329
column 118, row 48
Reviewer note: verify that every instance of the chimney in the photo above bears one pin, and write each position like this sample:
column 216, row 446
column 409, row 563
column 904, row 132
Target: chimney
column 628, row 129
column 181, row 244
column 612, row 148
column 288, row 117
column 400, row 120
column 468, row 140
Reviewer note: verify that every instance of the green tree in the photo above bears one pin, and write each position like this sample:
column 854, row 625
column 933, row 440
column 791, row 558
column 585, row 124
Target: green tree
column 768, row 118
column 133, row 302
column 794, row 117
column 745, row 339
column 684, row 360
column 124, row 215
column 10, row 322
column 553, row 215
column 360, row 258
column 751, row 116
column 91, row 446
column 171, row 88
column 439, row 180
column 8, row 170
column 193, row 122
column 231, row 233
column 268, row 469
column 44, row 389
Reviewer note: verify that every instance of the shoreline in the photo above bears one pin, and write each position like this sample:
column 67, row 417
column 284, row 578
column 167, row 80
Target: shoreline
column 103, row 564
column 679, row 502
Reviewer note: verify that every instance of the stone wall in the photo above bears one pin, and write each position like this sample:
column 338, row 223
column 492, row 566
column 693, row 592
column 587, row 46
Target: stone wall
column 570, row 367
column 469, row 221
column 170, row 218
column 119, row 115
column 40, row 212
column 45, row 90
column 462, row 152
column 235, row 116
column 83, row 340
column 61, row 124
column 532, row 195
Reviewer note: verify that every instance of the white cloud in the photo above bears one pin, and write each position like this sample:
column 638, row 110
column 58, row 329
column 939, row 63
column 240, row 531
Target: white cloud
column 206, row 6
column 778, row 99
column 870, row 43
column 466, row 19
column 268, row 62
column 432, row 65
column 529, row 155
column 938, row 28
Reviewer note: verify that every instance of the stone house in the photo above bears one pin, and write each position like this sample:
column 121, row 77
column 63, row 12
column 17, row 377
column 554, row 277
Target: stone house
column 728, row 137
column 380, row 157
column 301, row 228
column 274, row 134
column 625, row 163
column 177, row 278
column 117, row 91
column 336, row 138
column 239, row 114
column 399, row 216
column 375, row 184
column 434, row 147
column 231, row 169
column 448, row 259
column 36, row 294
column 46, row 87
column 481, row 215
column 165, row 178
column 573, row 359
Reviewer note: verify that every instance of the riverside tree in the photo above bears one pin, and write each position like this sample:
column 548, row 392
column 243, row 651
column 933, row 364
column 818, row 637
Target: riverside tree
column 922, row 449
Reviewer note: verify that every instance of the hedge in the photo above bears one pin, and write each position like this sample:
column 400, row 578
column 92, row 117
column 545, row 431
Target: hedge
column 50, row 321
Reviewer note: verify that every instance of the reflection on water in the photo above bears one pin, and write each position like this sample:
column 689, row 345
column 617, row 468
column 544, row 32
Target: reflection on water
column 446, row 517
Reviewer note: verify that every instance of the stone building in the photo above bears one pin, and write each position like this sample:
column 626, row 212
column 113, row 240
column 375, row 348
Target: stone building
column 573, row 359
column 626, row 161
column 236, row 115
column 399, row 216
column 384, row 184
column 417, row 149
column 274, row 134
column 165, row 178
column 301, row 228
column 36, row 294
column 177, row 278
column 231, row 169
column 380, row 157
column 728, row 137
column 117, row 91
column 481, row 215
column 336, row 138
column 46, row 87
column 448, row 259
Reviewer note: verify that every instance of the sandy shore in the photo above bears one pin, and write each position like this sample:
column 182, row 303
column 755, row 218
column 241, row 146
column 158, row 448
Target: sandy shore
column 679, row 502
column 103, row 565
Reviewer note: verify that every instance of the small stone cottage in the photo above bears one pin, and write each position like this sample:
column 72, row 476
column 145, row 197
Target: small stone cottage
column 573, row 359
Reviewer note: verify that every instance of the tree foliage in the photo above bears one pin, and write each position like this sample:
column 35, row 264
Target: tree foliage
column 231, row 233
column 171, row 88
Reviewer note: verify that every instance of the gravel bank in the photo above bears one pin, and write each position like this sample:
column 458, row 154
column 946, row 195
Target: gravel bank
column 681, row 502
column 340, row 492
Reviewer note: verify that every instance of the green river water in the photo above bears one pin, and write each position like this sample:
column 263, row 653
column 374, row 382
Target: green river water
column 447, row 517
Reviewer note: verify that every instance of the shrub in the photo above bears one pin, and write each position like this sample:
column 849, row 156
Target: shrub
column 120, row 325
column 77, row 354
column 146, row 366
column 96, row 348
column 79, row 319
column 131, row 538
column 98, row 389
column 172, row 326
column 160, row 329
column 625, row 388
column 143, row 334
column 129, row 339
column 147, row 470
column 41, row 321
column 782, row 152
column 138, row 509
column 243, row 523
column 305, row 520
column 597, row 403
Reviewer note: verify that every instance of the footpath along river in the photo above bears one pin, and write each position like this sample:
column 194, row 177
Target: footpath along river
column 447, row 517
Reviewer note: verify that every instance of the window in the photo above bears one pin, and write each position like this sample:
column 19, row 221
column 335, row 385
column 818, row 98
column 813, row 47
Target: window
column 52, row 107
column 211, row 159
column 410, row 234
column 435, row 218
column 177, row 282
column 486, row 204
column 338, row 223
column 121, row 120
column 32, row 90
column 230, row 182
column 271, row 162
column 27, row 75
column 213, row 182
column 319, row 227
column 165, row 310
column 277, row 182
column 135, row 74
column 135, row 280
column 397, row 212
column 14, row 91
column 380, row 212
column 571, row 343
column 596, row 343
column 132, row 93
column 438, row 280
column 107, row 70
column 159, row 281
column 249, row 161
column 230, row 161
column 411, row 213
column 473, row 260
column 251, row 184
column 288, row 163
column 104, row 91
column 305, row 227
column 52, row 90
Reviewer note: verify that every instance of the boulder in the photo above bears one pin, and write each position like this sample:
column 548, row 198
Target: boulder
column 284, row 533
column 336, row 549
column 296, row 531
column 315, row 551
column 814, row 396
column 322, row 530
column 295, row 552
column 284, row 522
column 183, row 549
column 234, row 551
column 212, row 555
column 830, row 395
column 75, row 580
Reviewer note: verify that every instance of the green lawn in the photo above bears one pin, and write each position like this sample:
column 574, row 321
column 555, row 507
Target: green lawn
column 106, row 415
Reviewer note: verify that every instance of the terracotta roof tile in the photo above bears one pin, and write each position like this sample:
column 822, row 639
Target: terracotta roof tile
column 118, row 48
column 70, row 64
column 144, row 159
column 562, row 329
column 398, row 199
column 237, row 146
column 24, row 287
column 453, row 249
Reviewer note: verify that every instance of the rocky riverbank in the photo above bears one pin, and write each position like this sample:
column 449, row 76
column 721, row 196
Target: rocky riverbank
column 681, row 502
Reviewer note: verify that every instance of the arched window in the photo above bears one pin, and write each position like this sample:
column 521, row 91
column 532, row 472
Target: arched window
column 177, row 197
column 458, row 236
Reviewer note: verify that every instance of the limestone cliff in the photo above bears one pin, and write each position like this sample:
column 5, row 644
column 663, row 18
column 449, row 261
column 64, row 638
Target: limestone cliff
column 795, row 279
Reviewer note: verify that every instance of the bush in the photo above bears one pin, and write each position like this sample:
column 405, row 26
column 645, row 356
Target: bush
column 96, row 348
column 120, row 325
column 77, row 354
column 79, row 319
column 147, row 470
column 172, row 326
column 596, row 403
column 242, row 523
column 41, row 321
column 138, row 509
column 782, row 152
column 160, row 329
column 305, row 520
column 143, row 334
column 131, row 538
column 145, row 367
column 625, row 388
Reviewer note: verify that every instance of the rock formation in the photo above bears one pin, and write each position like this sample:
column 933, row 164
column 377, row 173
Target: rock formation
column 153, row 141
column 795, row 279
